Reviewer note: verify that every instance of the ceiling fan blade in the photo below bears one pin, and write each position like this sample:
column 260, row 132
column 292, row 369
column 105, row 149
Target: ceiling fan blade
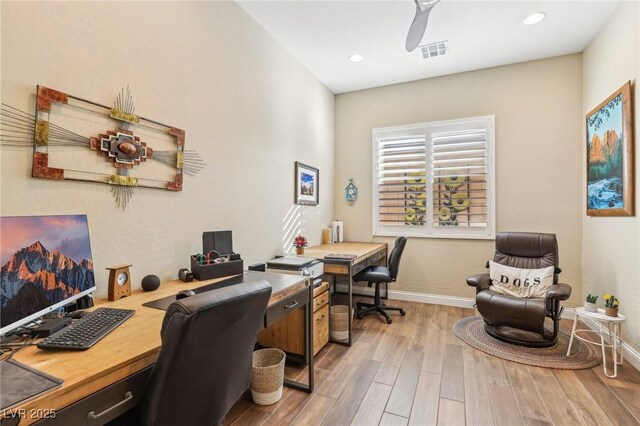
column 419, row 25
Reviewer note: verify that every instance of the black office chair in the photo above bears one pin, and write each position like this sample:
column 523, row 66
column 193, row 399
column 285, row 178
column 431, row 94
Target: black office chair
column 205, row 360
column 378, row 275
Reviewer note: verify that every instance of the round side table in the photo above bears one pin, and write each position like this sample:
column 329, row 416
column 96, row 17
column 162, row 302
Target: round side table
column 613, row 327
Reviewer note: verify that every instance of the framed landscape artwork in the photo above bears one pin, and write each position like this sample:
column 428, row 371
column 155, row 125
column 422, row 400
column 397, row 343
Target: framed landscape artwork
column 307, row 184
column 610, row 185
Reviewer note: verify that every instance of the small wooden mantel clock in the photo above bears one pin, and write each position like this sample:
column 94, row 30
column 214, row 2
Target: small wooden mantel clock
column 119, row 282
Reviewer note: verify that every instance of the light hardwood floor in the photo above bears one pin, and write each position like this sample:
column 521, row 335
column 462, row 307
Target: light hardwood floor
column 415, row 371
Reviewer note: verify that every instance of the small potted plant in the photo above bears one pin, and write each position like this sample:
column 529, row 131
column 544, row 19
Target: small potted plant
column 611, row 304
column 590, row 303
column 300, row 242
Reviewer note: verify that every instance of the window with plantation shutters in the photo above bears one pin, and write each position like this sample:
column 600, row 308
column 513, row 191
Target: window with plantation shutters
column 435, row 179
column 400, row 177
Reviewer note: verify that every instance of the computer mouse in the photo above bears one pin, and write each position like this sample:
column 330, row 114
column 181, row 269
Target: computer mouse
column 185, row 293
column 78, row 314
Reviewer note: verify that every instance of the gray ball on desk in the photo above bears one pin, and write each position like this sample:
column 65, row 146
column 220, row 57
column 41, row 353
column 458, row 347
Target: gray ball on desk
column 150, row 283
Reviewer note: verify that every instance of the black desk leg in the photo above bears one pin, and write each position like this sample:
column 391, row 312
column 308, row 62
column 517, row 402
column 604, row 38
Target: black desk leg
column 308, row 347
column 349, row 341
column 350, row 291
column 309, row 328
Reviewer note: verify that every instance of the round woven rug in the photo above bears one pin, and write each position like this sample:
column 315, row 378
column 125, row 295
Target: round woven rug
column 471, row 331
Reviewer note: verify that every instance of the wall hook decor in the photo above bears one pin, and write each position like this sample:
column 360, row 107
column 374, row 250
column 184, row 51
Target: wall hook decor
column 351, row 191
column 62, row 121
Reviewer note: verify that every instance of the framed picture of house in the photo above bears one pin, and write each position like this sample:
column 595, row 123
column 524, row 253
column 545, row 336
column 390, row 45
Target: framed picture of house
column 307, row 185
column 610, row 181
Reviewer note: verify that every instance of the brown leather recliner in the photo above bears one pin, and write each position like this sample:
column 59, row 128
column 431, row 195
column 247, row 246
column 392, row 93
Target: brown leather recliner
column 205, row 360
column 502, row 313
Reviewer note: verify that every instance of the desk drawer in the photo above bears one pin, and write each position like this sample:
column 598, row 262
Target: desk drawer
column 320, row 329
column 336, row 269
column 359, row 266
column 101, row 401
column 320, row 300
column 320, row 289
column 286, row 306
column 375, row 259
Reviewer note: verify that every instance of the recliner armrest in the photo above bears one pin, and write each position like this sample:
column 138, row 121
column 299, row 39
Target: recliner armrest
column 559, row 291
column 479, row 281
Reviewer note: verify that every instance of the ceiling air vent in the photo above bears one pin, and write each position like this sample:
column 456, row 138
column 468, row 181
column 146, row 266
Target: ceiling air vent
column 432, row 50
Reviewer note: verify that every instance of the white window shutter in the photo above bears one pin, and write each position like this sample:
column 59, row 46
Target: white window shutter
column 461, row 173
column 435, row 179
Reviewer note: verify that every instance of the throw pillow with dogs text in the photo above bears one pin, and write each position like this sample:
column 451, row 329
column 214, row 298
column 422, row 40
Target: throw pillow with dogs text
column 520, row 282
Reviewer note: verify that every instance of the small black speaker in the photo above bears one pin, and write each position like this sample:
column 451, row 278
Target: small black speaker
column 150, row 283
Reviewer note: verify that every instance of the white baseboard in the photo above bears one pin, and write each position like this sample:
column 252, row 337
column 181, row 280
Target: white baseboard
column 630, row 354
column 435, row 299
column 410, row 296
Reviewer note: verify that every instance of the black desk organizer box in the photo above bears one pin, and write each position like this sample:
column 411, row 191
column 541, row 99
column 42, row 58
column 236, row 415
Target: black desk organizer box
column 222, row 242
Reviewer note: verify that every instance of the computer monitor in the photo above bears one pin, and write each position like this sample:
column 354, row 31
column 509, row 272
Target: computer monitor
column 46, row 264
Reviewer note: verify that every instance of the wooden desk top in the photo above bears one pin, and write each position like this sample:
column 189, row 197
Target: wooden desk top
column 131, row 347
column 361, row 250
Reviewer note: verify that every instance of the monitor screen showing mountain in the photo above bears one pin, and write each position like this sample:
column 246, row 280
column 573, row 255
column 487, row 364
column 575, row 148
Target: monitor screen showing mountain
column 46, row 263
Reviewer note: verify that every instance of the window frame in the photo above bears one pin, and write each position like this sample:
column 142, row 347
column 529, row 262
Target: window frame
column 429, row 230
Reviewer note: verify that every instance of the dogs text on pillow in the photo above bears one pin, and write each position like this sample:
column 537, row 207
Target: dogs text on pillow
column 520, row 282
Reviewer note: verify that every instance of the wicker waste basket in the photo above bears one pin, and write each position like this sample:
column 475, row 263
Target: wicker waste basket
column 339, row 322
column 267, row 376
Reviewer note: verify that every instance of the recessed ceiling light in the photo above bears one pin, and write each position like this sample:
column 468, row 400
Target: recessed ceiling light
column 534, row 18
column 356, row 57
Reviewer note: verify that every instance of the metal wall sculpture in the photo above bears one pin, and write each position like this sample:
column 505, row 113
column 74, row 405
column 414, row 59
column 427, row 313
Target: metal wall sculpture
column 62, row 122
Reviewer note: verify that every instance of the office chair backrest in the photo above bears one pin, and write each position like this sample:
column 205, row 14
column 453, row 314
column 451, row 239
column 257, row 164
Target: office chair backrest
column 529, row 250
column 204, row 364
column 396, row 254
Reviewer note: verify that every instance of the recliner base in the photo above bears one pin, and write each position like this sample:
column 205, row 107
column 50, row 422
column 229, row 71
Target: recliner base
column 547, row 340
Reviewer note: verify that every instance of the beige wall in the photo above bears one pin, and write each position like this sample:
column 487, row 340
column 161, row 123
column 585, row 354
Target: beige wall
column 611, row 245
column 537, row 107
column 247, row 106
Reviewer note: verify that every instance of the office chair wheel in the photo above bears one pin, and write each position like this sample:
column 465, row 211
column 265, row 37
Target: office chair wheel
column 402, row 312
column 389, row 320
column 358, row 315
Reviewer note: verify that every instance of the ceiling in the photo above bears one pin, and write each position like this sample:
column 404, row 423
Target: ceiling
column 323, row 34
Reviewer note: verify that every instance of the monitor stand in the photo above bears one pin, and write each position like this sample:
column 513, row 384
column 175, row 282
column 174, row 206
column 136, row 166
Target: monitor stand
column 45, row 327
column 48, row 326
